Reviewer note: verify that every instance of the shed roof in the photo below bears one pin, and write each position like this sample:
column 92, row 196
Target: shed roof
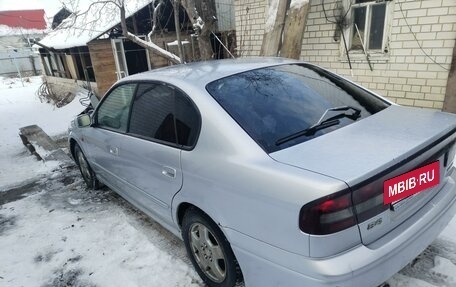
column 25, row 19
column 100, row 18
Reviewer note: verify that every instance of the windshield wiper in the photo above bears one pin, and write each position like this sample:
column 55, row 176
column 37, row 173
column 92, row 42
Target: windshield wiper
column 323, row 123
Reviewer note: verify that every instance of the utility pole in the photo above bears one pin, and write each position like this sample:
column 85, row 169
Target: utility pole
column 176, row 5
column 17, row 67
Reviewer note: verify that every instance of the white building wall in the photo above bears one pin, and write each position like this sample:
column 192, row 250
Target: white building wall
column 405, row 74
column 250, row 21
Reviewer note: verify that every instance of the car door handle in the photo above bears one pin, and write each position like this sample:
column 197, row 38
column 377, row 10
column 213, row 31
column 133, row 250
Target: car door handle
column 169, row 171
column 114, row 151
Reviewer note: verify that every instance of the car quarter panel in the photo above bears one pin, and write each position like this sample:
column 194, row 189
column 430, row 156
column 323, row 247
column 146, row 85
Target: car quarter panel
column 240, row 187
column 367, row 266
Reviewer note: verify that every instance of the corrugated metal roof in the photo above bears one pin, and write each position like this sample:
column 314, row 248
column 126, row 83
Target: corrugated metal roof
column 26, row 19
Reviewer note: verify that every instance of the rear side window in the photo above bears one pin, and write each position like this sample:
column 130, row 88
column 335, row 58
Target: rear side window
column 114, row 111
column 164, row 113
column 275, row 102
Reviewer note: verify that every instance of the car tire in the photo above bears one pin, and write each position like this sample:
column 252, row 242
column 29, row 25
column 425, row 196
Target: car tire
column 86, row 171
column 209, row 250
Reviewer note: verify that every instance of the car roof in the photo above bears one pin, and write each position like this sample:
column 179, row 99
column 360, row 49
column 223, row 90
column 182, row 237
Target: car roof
column 202, row 73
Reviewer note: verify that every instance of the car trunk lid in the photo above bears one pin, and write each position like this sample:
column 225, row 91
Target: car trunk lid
column 383, row 146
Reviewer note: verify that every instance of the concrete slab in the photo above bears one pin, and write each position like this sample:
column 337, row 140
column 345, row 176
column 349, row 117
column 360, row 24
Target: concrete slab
column 42, row 146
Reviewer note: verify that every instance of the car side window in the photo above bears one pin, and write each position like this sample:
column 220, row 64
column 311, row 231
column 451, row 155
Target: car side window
column 164, row 113
column 114, row 111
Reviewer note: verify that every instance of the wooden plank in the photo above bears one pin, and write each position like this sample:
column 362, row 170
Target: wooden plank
column 41, row 145
column 449, row 104
column 103, row 64
column 34, row 133
column 293, row 32
column 272, row 37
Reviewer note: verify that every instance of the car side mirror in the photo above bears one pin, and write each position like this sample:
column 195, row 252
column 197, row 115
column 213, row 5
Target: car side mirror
column 83, row 121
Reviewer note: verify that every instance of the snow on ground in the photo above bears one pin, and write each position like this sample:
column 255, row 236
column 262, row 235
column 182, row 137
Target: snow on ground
column 19, row 107
column 66, row 235
column 8, row 31
column 55, row 232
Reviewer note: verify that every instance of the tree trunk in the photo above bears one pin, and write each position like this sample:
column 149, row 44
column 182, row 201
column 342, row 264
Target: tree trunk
column 275, row 22
column 147, row 45
column 205, row 46
column 450, row 96
column 203, row 27
column 295, row 26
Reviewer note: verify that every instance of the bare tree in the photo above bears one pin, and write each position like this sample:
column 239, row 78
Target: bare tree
column 146, row 44
column 108, row 8
column 295, row 25
column 272, row 38
column 202, row 27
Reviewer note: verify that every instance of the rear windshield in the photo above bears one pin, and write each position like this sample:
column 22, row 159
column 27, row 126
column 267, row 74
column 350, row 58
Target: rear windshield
column 275, row 102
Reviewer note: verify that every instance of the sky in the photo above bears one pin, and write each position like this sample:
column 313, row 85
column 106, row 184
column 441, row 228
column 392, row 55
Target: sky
column 50, row 6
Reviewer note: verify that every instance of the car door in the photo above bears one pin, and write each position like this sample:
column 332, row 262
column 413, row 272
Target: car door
column 102, row 140
column 163, row 122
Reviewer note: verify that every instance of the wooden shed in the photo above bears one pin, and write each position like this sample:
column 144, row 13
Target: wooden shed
column 91, row 49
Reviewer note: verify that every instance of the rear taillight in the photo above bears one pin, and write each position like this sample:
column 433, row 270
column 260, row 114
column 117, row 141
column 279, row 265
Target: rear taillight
column 328, row 215
column 368, row 201
column 450, row 154
column 342, row 210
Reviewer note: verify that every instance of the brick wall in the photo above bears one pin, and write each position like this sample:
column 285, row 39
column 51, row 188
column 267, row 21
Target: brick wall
column 405, row 74
column 250, row 20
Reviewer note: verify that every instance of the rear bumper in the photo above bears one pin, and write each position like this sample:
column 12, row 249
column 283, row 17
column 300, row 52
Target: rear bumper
column 265, row 265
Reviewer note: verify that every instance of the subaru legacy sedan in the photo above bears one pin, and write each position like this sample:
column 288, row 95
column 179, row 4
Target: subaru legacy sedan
column 274, row 172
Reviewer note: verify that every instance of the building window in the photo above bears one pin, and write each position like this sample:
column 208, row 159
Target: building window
column 369, row 25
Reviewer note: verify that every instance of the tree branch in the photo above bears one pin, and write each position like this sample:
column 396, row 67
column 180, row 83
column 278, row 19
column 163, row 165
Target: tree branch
column 154, row 17
column 148, row 45
column 203, row 28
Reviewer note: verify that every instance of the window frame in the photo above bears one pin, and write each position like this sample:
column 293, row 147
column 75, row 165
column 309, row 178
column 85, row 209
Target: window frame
column 127, row 132
column 348, row 32
column 108, row 93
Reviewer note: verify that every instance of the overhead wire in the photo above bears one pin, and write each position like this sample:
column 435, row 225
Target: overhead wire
column 417, row 41
column 339, row 24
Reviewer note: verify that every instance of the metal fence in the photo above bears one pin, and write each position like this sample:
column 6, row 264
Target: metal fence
column 19, row 62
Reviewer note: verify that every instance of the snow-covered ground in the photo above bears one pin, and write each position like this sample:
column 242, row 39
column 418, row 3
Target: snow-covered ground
column 55, row 232
column 63, row 234
column 19, row 107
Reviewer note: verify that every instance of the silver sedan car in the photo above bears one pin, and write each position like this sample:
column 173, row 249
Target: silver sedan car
column 274, row 172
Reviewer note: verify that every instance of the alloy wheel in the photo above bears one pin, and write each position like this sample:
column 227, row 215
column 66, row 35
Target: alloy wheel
column 207, row 252
column 85, row 169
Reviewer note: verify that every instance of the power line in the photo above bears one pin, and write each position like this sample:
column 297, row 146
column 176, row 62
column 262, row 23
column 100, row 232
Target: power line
column 338, row 20
column 416, row 39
